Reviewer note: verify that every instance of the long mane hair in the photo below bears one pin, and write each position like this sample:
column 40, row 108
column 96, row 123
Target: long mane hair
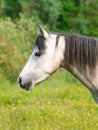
column 81, row 51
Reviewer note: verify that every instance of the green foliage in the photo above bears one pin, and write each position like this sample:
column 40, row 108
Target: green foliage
column 60, row 15
column 10, row 8
column 16, row 44
column 79, row 16
column 48, row 12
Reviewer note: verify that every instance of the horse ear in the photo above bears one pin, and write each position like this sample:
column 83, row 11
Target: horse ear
column 43, row 32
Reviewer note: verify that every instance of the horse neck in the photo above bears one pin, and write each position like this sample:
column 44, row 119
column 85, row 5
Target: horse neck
column 90, row 80
column 92, row 85
column 83, row 65
column 85, row 78
column 87, row 75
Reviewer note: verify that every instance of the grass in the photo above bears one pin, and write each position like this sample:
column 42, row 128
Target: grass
column 59, row 103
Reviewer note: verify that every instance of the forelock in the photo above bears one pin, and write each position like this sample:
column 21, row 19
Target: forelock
column 40, row 43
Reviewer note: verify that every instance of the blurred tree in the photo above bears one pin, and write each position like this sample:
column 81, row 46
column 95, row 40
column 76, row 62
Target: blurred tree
column 79, row 16
column 46, row 11
column 10, row 8
column 60, row 15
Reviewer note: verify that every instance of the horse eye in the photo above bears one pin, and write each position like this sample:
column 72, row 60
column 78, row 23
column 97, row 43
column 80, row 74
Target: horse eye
column 38, row 54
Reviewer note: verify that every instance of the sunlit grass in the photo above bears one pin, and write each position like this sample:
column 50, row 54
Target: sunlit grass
column 59, row 103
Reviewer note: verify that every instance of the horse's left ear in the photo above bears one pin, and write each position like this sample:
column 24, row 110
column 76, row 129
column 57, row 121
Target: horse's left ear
column 43, row 32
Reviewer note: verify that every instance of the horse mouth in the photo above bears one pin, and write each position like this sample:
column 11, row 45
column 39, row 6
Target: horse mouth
column 27, row 86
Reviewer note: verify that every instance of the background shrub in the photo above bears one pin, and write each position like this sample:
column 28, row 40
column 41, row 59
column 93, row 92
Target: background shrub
column 16, row 44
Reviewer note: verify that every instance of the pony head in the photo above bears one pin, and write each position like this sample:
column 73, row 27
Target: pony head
column 44, row 60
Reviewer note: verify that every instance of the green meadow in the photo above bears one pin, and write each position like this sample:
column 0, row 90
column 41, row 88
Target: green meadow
column 59, row 103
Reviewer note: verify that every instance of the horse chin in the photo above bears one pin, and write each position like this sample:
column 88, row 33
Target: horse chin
column 28, row 86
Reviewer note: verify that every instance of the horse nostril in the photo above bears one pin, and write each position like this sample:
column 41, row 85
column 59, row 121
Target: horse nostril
column 20, row 80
